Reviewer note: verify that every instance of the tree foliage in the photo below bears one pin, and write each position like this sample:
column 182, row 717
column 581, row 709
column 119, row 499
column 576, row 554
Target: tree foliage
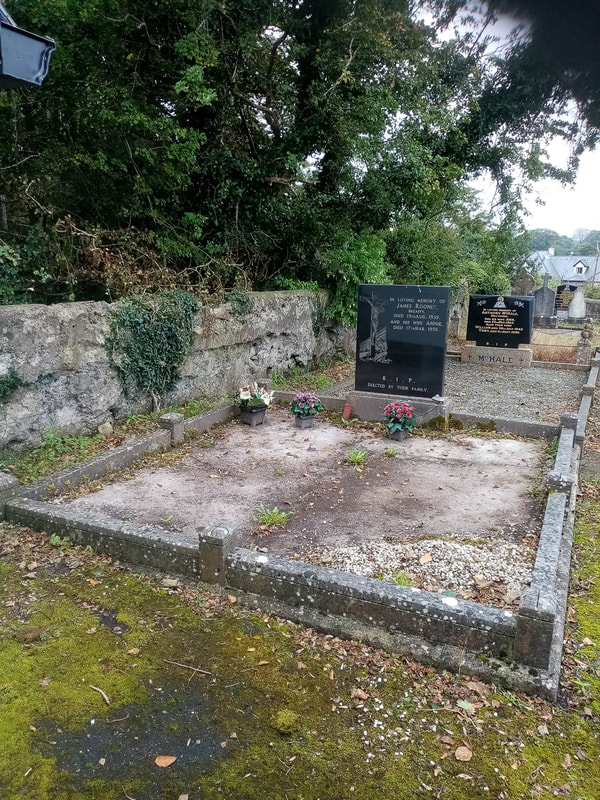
column 583, row 245
column 214, row 145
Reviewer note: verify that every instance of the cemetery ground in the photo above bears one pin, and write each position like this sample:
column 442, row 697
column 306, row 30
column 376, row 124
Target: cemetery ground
column 445, row 513
column 104, row 671
column 120, row 684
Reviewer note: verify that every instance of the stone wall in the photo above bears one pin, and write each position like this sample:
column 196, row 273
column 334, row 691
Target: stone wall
column 592, row 308
column 58, row 352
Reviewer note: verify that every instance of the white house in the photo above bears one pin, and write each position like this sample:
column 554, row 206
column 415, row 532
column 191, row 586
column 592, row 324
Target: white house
column 567, row 269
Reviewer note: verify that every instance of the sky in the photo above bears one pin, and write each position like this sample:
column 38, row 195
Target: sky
column 563, row 209
column 567, row 208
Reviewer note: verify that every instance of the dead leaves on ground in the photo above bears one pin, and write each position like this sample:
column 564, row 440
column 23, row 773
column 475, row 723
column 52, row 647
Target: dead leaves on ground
column 165, row 761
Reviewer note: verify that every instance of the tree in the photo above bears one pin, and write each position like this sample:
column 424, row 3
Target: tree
column 211, row 145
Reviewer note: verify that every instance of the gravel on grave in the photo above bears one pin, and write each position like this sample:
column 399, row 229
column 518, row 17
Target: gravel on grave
column 542, row 395
column 535, row 394
column 472, row 571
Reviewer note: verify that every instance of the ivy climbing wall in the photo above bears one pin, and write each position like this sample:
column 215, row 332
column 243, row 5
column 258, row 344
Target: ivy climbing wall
column 75, row 366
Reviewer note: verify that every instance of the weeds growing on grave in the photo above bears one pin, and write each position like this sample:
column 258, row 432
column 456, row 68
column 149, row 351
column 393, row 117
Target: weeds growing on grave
column 57, row 452
column 271, row 516
column 357, row 456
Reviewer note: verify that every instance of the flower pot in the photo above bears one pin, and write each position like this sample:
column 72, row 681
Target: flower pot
column 24, row 56
column 253, row 416
column 305, row 422
column 400, row 436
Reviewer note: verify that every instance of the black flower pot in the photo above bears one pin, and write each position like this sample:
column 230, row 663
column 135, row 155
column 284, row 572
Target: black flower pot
column 24, row 56
column 253, row 416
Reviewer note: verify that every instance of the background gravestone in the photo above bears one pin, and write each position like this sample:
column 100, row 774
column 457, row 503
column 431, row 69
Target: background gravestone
column 577, row 304
column 543, row 305
column 524, row 283
column 499, row 321
column 564, row 295
column 401, row 339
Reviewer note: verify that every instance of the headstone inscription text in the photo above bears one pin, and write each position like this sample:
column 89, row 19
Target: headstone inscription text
column 500, row 321
column 401, row 339
column 564, row 295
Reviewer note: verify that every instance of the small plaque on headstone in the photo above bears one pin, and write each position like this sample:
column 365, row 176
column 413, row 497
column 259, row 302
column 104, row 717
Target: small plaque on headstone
column 500, row 321
column 401, row 339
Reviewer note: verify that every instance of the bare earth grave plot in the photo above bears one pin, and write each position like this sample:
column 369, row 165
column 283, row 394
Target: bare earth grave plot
column 456, row 514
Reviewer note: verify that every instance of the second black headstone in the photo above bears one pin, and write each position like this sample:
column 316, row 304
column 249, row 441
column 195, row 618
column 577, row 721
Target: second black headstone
column 401, row 339
column 500, row 321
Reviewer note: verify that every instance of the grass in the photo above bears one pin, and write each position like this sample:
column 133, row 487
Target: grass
column 271, row 516
column 356, row 456
column 317, row 379
column 284, row 712
column 59, row 451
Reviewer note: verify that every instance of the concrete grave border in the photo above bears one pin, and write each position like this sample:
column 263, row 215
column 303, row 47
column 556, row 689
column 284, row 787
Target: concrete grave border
column 520, row 649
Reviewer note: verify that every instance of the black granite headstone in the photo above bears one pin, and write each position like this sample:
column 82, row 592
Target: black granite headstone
column 401, row 339
column 500, row 321
column 564, row 295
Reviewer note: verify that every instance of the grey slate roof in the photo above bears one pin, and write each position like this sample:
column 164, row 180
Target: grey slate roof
column 564, row 268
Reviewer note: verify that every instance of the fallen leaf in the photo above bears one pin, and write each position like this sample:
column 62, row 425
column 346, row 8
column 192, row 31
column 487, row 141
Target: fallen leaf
column 232, row 598
column 425, row 559
column 183, row 797
column 301, row 665
column 467, row 706
column 252, row 649
column 233, row 735
column 588, row 711
column 213, row 476
column 91, row 630
column 447, row 740
column 165, row 761
column 32, row 566
column 580, row 754
column 102, row 761
column 223, row 745
column 566, row 764
column 587, row 641
column 134, row 651
column 495, row 703
column 357, row 693
column 542, row 730
column 44, row 681
column 262, row 663
column 93, row 582
column 463, row 754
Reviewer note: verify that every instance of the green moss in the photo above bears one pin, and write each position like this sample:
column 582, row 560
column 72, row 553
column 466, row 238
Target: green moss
column 487, row 427
column 285, row 721
column 454, row 424
column 261, row 672
column 438, row 424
